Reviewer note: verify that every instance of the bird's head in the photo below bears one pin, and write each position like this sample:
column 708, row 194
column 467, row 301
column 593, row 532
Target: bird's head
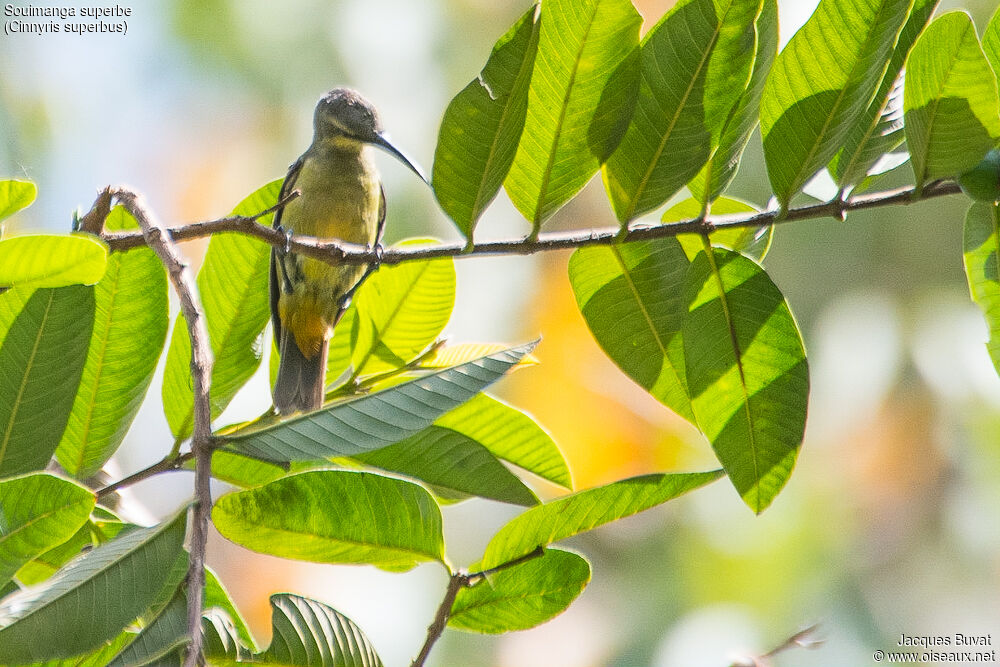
column 346, row 118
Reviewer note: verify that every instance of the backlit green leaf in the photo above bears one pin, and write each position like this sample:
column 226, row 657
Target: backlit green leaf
column 822, row 83
column 692, row 61
column 41, row 360
column 523, row 596
column 233, row 287
column 482, row 125
column 746, row 372
column 631, row 297
column 50, row 260
column 716, row 175
column 880, row 129
column 37, row 513
column 982, row 267
column 164, row 633
column 583, row 86
column 14, row 196
column 130, row 326
column 402, row 309
column 751, row 241
column 585, row 510
column 335, row 516
column 952, row 111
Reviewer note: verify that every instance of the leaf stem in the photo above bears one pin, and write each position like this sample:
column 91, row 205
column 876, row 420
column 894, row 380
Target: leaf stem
column 173, row 461
column 458, row 581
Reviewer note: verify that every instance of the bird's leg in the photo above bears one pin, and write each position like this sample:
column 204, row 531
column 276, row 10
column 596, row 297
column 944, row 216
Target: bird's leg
column 282, row 254
column 378, row 250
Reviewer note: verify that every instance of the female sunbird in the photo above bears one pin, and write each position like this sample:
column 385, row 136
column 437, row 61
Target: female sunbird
column 340, row 197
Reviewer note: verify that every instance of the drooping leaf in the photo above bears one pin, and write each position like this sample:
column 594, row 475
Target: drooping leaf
column 335, row 516
column 222, row 641
column 721, row 167
column 631, row 298
column 583, row 87
column 692, row 61
column 822, row 83
column 374, row 420
column 523, row 596
column 41, row 360
column 93, row 598
column 233, row 287
column 982, row 268
column 482, row 125
column 402, row 309
column 454, row 463
column 585, row 510
column 51, row 260
column 510, row 435
column 952, row 110
column 130, row 326
column 37, row 513
column 14, row 196
column 307, row 633
column 880, row 129
column 746, row 372
column 751, row 241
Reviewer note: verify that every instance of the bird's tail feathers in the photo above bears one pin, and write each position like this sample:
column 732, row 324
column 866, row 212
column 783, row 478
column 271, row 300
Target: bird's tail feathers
column 301, row 381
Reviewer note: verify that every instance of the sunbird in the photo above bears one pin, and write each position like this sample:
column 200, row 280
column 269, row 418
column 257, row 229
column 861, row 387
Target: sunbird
column 340, row 197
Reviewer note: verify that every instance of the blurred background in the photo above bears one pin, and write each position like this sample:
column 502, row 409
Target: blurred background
column 889, row 524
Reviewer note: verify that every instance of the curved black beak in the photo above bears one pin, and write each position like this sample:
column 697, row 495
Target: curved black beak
column 382, row 140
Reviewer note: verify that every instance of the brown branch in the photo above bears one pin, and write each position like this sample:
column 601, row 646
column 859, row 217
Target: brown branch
column 174, row 462
column 802, row 639
column 458, row 581
column 157, row 238
column 339, row 252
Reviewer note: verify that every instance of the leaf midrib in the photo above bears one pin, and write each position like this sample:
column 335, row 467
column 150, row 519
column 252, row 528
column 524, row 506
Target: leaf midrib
column 547, row 174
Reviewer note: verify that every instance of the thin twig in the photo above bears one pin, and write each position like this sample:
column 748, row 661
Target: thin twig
column 458, row 581
column 173, row 462
column 339, row 252
column 183, row 281
column 801, row 639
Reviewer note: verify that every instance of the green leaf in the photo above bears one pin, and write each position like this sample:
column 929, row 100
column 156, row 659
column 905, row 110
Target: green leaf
column 130, row 326
column 583, row 86
column 14, row 196
column 99, row 657
column 375, row 420
column 166, row 632
column 746, row 371
column 523, row 596
column 691, row 63
column 511, row 435
column 242, row 471
column 310, row 634
column 216, row 596
column 880, row 129
column 481, row 127
column 222, row 643
column 631, row 298
column 453, row 463
column 453, row 355
column 586, row 510
column 41, row 360
column 991, row 43
column 822, row 83
column 952, row 110
column 751, row 241
column 50, row 260
column 721, row 167
column 402, row 309
column 97, row 530
column 982, row 267
column 233, row 287
column 93, row 598
column 335, row 516
column 38, row 512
